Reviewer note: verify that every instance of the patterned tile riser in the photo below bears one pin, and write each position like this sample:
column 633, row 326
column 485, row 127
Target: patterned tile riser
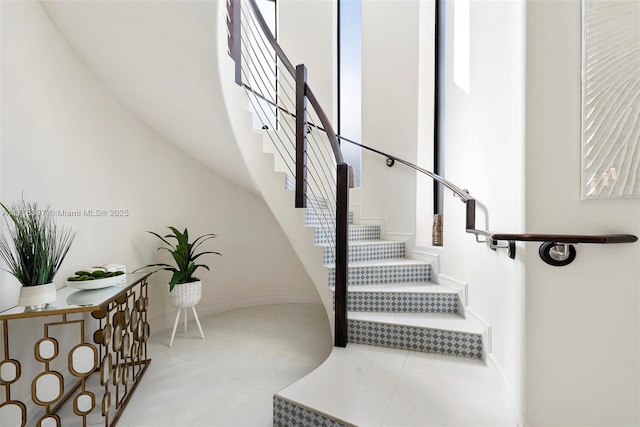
column 317, row 205
column 401, row 302
column 315, row 218
column 370, row 252
column 415, row 339
column 286, row 414
column 377, row 274
column 356, row 233
column 289, row 182
column 315, row 201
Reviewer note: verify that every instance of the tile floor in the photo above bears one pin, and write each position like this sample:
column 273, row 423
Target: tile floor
column 390, row 387
column 230, row 377
column 248, row 355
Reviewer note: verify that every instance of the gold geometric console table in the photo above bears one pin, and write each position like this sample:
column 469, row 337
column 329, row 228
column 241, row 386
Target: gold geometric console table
column 113, row 344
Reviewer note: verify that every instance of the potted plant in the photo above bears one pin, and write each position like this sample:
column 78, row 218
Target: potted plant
column 185, row 289
column 33, row 251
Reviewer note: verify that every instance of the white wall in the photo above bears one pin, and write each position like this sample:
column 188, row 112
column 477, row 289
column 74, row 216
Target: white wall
column 583, row 324
column 397, row 83
column 307, row 32
column 390, row 114
column 66, row 141
column 484, row 152
column 159, row 59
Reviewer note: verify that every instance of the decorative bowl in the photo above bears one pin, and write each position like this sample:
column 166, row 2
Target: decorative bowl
column 95, row 284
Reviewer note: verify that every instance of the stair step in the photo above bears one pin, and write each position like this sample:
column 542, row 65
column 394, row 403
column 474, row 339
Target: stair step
column 368, row 250
column 401, row 270
column 357, row 232
column 372, row 386
column 287, row 414
column 439, row 333
column 424, row 297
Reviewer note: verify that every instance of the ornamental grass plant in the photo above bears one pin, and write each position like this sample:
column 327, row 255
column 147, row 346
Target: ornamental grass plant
column 33, row 246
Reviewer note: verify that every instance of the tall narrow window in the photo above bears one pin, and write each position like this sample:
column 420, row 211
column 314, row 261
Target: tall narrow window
column 349, row 80
column 439, row 85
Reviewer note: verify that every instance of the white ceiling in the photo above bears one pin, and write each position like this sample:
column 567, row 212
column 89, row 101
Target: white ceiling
column 160, row 60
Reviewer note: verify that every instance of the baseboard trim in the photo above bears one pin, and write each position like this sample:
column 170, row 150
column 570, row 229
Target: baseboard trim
column 515, row 408
column 165, row 321
column 428, row 254
column 462, row 288
column 360, row 220
column 486, row 335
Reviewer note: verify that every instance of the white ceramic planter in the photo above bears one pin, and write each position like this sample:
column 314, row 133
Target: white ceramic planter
column 37, row 297
column 186, row 294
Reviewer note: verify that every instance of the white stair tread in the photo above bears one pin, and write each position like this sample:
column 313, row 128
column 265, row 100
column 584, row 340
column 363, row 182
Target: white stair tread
column 416, row 287
column 375, row 386
column 385, row 262
column 326, row 229
column 440, row 321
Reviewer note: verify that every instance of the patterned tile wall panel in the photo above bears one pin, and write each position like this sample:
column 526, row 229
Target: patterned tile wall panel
column 415, row 339
column 402, row 302
column 376, row 274
column 356, row 232
column 286, row 414
column 369, row 252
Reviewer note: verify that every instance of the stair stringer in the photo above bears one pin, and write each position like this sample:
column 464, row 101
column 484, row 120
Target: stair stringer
column 432, row 254
column 281, row 203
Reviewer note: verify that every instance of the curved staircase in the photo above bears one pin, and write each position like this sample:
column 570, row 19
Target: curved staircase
column 395, row 302
column 413, row 357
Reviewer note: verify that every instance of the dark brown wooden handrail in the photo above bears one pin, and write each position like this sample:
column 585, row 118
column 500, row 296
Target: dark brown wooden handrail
column 324, row 119
column 550, row 241
column 567, row 238
column 272, row 40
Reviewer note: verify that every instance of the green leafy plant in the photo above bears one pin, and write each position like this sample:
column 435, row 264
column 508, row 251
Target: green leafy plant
column 36, row 246
column 184, row 255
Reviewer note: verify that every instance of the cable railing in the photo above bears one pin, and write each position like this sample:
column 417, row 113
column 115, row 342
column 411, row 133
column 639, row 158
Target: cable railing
column 284, row 105
column 556, row 249
column 308, row 152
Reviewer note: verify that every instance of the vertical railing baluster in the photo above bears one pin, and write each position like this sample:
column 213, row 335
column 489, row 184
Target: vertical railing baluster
column 342, row 248
column 229, row 22
column 237, row 40
column 301, row 136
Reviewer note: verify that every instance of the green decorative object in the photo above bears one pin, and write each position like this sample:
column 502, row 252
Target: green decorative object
column 184, row 255
column 35, row 246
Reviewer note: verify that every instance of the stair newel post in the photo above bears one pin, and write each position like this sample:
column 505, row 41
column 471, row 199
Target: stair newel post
column 301, row 136
column 342, row 248
column 470, row 222
column 235, row 36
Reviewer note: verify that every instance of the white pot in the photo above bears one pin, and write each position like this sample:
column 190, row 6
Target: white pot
column 38, row 296
column 186, row 294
